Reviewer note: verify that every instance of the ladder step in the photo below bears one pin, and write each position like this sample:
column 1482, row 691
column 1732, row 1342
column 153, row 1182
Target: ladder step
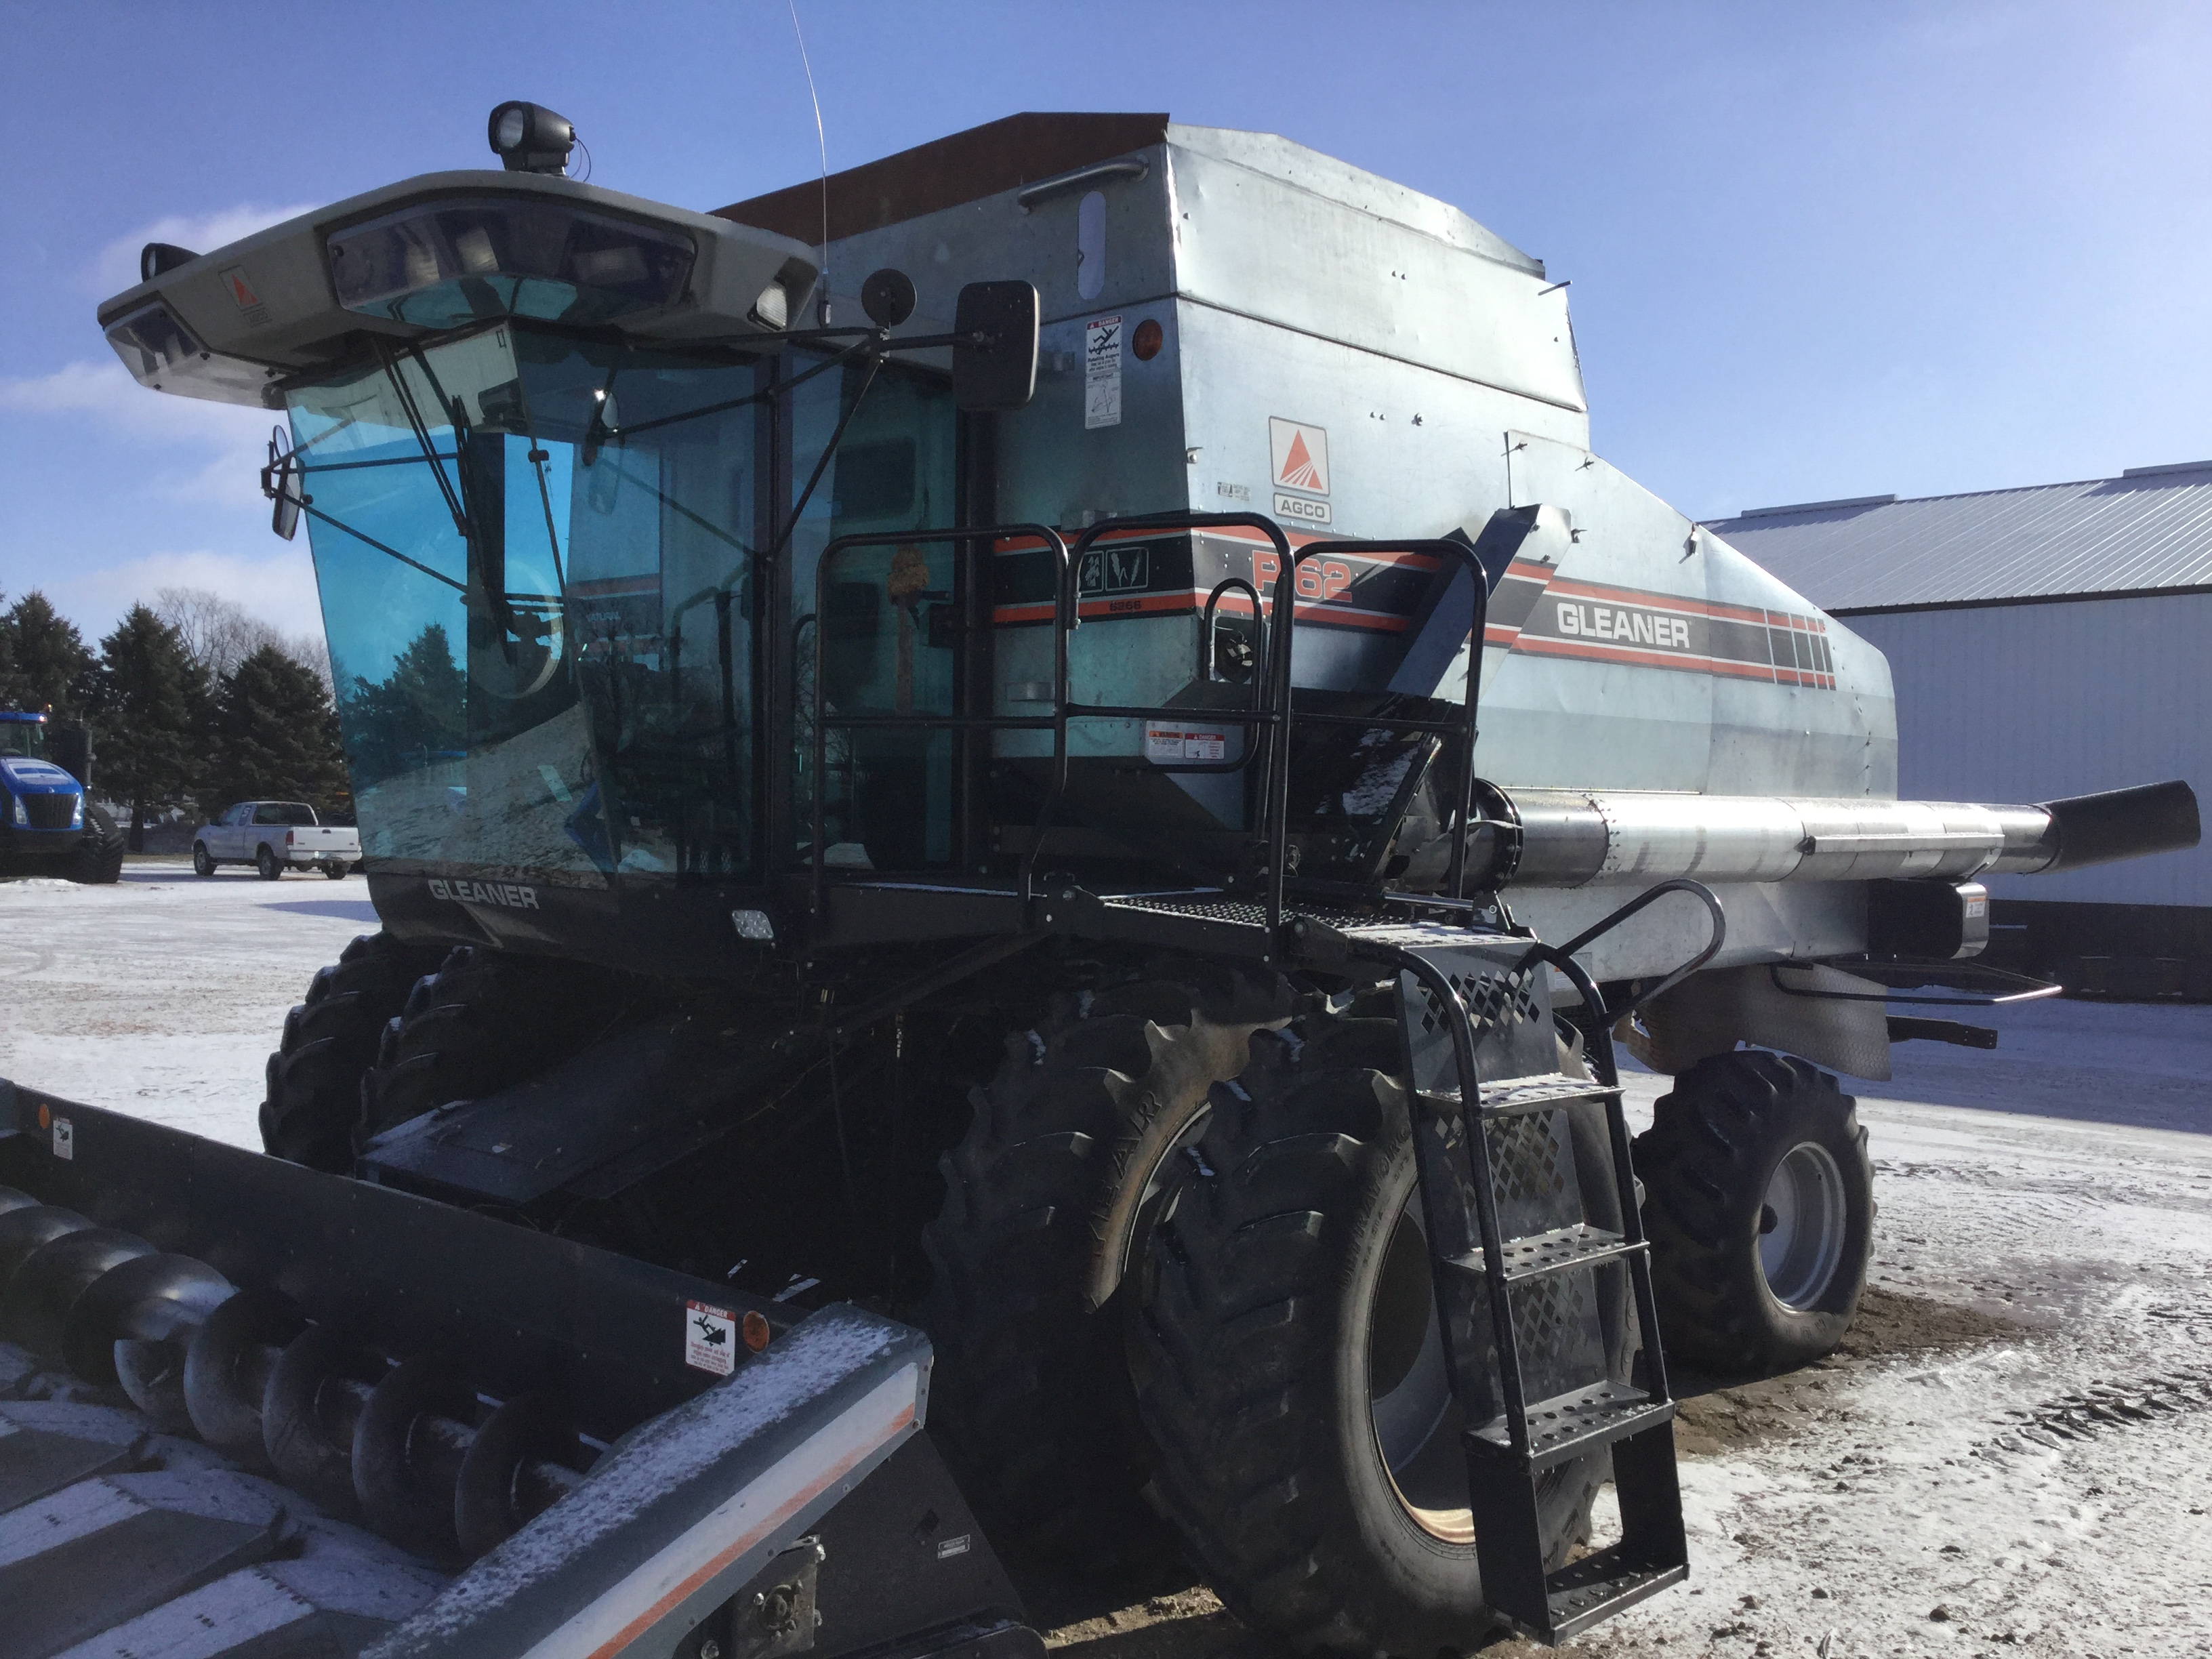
column 1598, row 1586
column 1510, row 1096
column 1540, row 1254
column 1568, row 1425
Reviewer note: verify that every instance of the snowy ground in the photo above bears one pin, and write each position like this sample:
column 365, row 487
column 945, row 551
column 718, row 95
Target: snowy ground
column 2011, row 1455
column 163, row 994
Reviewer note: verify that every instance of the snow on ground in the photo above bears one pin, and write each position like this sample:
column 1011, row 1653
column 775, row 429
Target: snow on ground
column 2013, row 1453
column 163, row 994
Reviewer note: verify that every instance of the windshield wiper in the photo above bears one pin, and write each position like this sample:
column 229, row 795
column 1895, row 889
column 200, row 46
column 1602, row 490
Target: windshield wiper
column 422, row 434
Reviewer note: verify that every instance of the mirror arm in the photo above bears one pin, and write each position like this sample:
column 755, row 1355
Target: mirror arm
column 828, row 453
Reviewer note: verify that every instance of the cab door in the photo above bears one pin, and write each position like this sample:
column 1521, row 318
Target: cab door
column 230, row 835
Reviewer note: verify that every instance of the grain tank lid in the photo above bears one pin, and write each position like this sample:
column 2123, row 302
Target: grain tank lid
column 1021, row 150
column 966, row 166
column 1345, row 185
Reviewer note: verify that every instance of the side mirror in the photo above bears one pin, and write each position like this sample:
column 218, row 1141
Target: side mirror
column 995, row 363
column 284, row 481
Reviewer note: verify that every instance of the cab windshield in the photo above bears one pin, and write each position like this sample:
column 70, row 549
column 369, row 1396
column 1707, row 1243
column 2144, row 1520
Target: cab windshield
column 545, row 574
column 23, row 738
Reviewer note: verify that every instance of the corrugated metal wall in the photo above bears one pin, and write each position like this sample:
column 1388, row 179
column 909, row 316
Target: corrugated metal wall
column 2029, row 703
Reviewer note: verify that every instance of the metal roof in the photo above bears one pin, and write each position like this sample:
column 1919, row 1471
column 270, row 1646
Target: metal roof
column 2151, row 528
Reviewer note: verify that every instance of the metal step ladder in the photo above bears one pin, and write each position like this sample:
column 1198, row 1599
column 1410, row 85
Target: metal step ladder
column 1517, row 1278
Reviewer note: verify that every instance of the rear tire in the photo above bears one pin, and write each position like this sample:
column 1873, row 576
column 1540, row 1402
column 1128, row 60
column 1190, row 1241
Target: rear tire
column 1760, row 1207
column 1286, row 1355
column 335, row 872
column 203, row 865
column 266, row 862
column 314, row 1098
column 484, row 1021
column 1030, row 1396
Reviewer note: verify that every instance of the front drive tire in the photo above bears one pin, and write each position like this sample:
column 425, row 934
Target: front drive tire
column 267, row 863
column 484, row 1021
column 1760, row 1206
column 202, row 863
column 1030, row 1398
column 1286, row 1360
column 313, row 1094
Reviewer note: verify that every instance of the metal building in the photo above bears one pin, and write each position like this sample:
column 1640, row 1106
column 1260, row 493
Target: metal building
column 2045, row 641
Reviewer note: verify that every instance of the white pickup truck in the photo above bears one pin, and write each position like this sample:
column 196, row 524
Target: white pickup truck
column 273, row 836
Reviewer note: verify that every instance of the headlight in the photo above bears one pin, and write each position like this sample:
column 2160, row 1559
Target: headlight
column 77, row 813
column 22, row 815
column 443, row 263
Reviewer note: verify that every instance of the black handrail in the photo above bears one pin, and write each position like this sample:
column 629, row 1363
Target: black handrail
column 988, row 537
column 1259, row 717
column 1276, row 820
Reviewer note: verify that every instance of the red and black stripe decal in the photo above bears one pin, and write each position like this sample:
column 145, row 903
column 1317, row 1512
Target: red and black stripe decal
column 1534, row 611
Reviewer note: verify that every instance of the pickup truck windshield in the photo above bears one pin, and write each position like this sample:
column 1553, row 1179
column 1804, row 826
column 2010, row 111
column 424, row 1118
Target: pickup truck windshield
column 290, row 814
column 539, row 564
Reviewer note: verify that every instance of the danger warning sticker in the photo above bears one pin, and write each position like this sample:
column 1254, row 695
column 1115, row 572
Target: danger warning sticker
column 1171, row 743
column 1102, row 373
column 65, row 1138
column 710, row 1339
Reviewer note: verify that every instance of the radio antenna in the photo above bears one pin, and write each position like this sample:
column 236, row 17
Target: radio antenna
column 821, row 300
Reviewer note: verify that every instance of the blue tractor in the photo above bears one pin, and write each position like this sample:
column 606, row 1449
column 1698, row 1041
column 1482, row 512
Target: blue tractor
column 47, row 825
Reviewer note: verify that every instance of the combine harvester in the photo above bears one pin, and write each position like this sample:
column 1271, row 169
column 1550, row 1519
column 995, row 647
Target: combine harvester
column 958, row 1004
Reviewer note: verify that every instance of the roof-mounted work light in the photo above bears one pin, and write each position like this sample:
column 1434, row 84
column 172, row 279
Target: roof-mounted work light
column 530, row 139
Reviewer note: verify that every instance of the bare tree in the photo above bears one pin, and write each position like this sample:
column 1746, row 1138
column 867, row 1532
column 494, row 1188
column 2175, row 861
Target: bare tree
column 219, row 633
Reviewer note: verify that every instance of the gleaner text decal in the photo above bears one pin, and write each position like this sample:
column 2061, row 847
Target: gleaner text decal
column 1539, row 613
column 506, row 895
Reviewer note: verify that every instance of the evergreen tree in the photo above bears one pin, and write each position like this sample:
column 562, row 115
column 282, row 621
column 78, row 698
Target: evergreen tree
column 151, row 703
column 45, row 659
column 417, row 711
column 14, row 694
column 277, row 735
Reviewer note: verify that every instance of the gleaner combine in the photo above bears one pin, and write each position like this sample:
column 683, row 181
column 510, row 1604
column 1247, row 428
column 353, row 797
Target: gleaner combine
column 959, row 1002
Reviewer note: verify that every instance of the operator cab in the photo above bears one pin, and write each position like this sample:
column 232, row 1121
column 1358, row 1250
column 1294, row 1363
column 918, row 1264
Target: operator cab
column 23, row 736
column 568, row 471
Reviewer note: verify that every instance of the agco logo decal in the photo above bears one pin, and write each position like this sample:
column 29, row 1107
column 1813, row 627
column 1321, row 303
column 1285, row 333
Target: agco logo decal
column 505, row 894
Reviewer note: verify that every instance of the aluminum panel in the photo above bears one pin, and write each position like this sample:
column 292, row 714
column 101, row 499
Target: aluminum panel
column 2037, row 702
column 2104, row 535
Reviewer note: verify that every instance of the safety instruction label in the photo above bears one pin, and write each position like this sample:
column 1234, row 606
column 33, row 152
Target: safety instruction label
column 710, row 1339
column 1172, row 743
column 1102, row 373
column 65, row 1138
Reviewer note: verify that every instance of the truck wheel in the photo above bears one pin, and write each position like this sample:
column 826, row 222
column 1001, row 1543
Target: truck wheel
column 336, row 872
column 483, row 1021
column 266, row 862
column 203, row 865
column 313, row 1096
column 98, row 859
column 1029, row 1397
column 1760, row 1206
column 1287, row 1360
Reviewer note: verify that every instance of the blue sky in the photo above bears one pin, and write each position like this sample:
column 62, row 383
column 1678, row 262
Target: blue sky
column 1817, row 250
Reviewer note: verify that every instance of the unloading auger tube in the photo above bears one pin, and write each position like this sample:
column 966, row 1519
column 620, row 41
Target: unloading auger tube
column 1561, row 838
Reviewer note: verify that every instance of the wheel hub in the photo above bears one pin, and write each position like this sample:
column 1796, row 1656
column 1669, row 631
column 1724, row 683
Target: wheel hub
column 1802, row 1226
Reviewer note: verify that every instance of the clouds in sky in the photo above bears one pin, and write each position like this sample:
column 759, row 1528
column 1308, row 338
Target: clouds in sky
column 141, row 490
column 116, row 266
